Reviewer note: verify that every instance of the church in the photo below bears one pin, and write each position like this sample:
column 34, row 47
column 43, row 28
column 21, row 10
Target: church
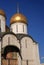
column 16, row 46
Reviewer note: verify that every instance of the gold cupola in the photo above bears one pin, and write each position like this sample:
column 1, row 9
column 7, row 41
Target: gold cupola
column 18, row 17
column 2, row 13
column 18, row 23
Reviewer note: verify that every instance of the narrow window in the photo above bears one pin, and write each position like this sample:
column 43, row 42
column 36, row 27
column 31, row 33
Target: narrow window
column 27, row 62
column 16, row 28
column 0, row 25
column 26, row 43
column 23, row 28
column 8, row 40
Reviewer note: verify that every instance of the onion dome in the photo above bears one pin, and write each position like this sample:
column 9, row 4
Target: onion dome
column 2, row 13
column 18, row 17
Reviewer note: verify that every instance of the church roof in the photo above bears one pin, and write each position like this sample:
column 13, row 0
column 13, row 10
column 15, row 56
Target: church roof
column 18, row 17
column 2, row 12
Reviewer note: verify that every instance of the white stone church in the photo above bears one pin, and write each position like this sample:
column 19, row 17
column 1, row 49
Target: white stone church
column 16, row 46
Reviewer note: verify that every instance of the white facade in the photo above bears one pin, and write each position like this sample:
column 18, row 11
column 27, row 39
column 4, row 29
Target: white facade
column 29, row 52
column 36, row 53
column 2, row 23
column 24, row 46
column 18, row 28
column 29, row 49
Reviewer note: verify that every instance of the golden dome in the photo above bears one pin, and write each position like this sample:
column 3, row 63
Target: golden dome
column 2, row 13
column 18, row 18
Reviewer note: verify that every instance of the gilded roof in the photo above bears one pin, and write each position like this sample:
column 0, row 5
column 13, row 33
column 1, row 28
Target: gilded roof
column 2, row 13
column 18, row 17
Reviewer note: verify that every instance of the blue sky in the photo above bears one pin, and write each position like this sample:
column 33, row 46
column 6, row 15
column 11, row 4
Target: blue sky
column 34, row 11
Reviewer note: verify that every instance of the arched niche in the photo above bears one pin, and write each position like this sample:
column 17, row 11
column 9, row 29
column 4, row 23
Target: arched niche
column 10, row 39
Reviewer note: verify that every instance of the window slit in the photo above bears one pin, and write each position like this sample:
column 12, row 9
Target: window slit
column 23, row 28
column 17, row 28
column 26, row 43
column 0, row 25
column 27, row 62
column 8, row 40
